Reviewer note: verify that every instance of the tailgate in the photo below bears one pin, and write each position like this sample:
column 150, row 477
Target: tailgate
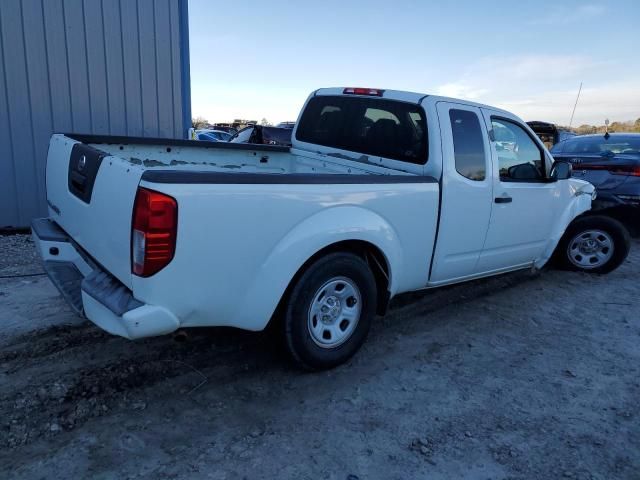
column 90, row 195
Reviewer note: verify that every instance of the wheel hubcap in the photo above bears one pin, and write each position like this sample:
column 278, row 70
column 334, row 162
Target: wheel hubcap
column 334, row 312
column 590, row 249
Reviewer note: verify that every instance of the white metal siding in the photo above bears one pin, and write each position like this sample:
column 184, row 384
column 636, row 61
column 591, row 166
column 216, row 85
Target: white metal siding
column 112, row 67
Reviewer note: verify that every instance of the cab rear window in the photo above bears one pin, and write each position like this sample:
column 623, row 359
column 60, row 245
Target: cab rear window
column 373, row 126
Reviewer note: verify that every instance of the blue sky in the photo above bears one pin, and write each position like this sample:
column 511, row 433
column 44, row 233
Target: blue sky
column 260, row 59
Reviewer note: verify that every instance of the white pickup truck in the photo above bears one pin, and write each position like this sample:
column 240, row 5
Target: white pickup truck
column 382, row 192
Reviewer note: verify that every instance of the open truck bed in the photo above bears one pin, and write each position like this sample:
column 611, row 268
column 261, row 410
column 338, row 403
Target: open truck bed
column 247, row 217
column 160, row 153
column 92, row 180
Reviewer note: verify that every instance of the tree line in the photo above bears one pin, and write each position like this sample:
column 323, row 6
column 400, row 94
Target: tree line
column 629, row 126
column 200, row 122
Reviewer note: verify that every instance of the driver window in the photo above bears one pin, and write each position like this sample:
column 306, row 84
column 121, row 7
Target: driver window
column 519, row 157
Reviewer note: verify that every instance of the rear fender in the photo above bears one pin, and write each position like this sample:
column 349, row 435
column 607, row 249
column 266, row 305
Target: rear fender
column 315, row 233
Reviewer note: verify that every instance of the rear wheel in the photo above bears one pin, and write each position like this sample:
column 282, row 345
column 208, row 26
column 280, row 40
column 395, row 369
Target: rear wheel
column 329, row 311
column 594, row 244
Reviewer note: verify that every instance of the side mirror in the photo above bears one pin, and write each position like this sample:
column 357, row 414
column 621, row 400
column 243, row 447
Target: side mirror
column 524, row 171
column 561, row 170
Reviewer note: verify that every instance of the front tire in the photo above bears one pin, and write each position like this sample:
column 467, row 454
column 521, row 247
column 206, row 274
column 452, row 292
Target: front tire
column 329, row 311
column 594, row 244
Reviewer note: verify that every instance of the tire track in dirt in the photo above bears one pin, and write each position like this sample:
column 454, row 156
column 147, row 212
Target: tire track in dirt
column 66, row 400
column 48, row 341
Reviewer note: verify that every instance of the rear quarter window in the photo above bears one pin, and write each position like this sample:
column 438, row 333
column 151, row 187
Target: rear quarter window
column 372, row 126
column 468, row 144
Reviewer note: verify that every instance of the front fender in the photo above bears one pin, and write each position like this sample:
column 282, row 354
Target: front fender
column 580, row 194
column 321, row 230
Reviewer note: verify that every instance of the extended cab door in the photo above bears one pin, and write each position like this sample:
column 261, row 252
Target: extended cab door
column 467, row 192
column 523, row 211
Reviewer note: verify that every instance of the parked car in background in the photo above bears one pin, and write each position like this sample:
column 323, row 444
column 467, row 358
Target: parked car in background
column 262, row 135
column 383, row 192
column 225, row 127
column 611, row 162
column 212, row 135
column 286, row 125
column 549, row 133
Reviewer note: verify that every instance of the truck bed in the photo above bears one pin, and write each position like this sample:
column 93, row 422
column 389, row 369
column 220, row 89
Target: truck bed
column 247, row 217
column 92, row 183
column 208, row 157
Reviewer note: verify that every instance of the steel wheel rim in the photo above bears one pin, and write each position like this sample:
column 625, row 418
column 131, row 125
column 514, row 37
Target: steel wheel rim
column 334, row 312
column 590, row 249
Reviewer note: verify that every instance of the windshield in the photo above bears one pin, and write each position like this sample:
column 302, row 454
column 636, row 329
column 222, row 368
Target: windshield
column 213, row 136
column 598, row 145
column 242, row 136
column 205, row 136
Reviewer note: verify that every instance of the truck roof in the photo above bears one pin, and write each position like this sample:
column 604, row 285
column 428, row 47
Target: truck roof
column 404, row 96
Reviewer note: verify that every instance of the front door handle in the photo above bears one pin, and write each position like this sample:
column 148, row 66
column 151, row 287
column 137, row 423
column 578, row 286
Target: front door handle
column 504, row 199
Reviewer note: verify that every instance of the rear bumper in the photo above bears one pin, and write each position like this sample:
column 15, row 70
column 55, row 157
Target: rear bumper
column 93, row 292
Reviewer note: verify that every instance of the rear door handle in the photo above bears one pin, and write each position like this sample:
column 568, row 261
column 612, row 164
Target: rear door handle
column 505, row 199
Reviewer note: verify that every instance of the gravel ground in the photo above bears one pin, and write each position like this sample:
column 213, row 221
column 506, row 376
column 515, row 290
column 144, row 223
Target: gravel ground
column 17, row 256
column 514, row 377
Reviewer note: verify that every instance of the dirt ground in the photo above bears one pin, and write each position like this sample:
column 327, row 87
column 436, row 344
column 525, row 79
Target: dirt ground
column 516, row 377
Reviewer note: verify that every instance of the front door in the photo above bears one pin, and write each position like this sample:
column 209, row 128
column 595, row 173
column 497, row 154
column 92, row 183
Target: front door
column 467, row 192
column 522, row 212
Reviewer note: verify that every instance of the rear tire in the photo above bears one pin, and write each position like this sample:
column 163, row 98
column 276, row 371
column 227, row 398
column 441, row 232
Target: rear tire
column 594, row 244
column 329, row 312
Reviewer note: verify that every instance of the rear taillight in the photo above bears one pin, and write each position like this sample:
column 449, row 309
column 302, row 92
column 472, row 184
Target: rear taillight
column 633, row 170
column 153, row 232
column 374, row 92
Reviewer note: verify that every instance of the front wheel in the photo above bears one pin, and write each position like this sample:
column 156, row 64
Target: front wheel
column 594, row 244
column 329, row 311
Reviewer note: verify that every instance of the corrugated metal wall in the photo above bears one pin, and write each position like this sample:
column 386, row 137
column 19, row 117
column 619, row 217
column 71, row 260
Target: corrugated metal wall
column 114, row 67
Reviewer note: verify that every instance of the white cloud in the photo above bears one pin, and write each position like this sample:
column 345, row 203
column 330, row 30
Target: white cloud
column 591, row 10
column 616, row 101
column 544, row 87
column 562, row 15
column 460, row 90
column 494, row 74
column 531, row 68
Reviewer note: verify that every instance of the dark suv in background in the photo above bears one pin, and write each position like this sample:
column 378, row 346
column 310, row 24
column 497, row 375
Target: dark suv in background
column 549, row 133
column 611, row 162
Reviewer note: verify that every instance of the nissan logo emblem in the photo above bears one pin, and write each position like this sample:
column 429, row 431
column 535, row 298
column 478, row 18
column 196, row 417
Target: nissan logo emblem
column 82, row 161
